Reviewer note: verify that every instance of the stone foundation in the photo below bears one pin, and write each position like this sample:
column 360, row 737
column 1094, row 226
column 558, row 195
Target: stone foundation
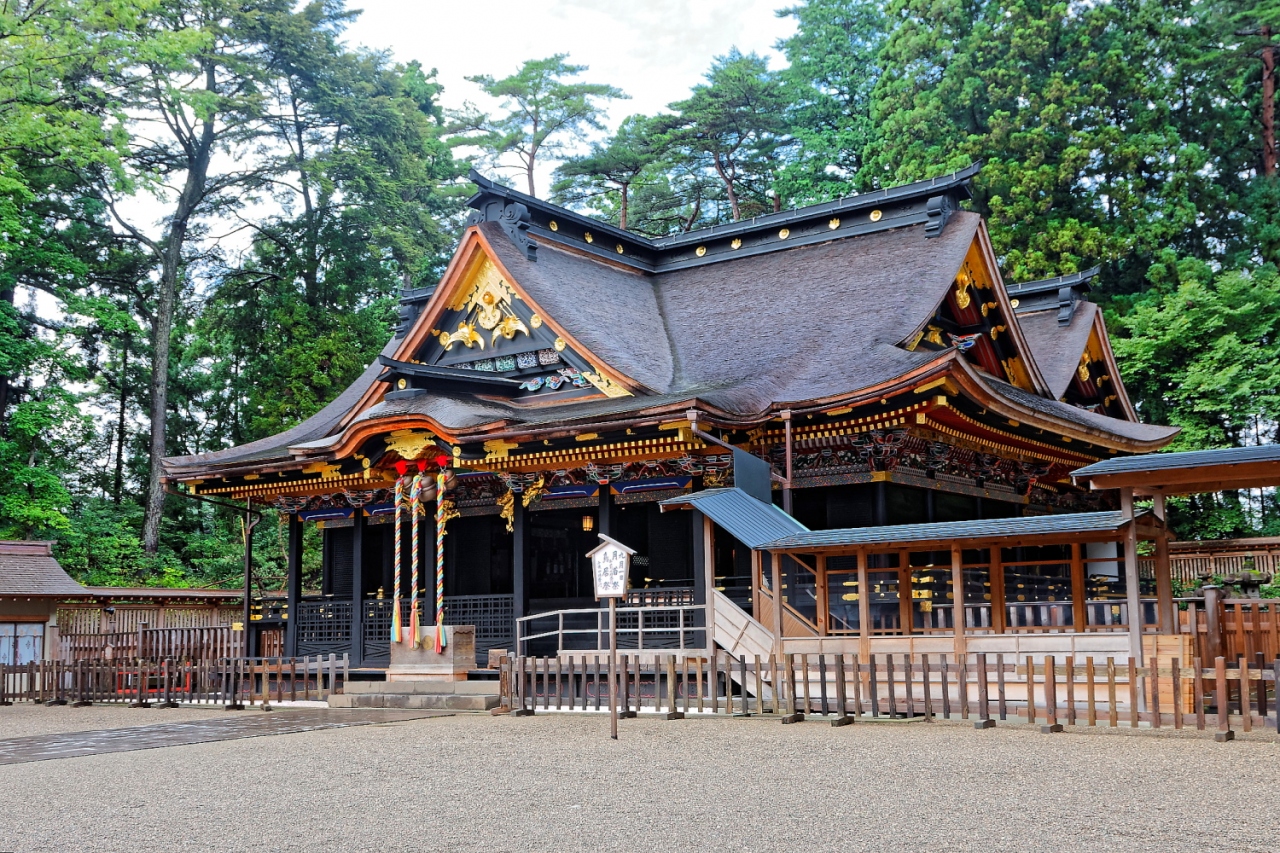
column 452, row 664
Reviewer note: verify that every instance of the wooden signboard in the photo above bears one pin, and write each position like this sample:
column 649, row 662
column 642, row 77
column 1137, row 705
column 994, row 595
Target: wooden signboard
column 610, row 567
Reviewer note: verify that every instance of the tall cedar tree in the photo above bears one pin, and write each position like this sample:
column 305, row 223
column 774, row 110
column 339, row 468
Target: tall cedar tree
column 603, row 178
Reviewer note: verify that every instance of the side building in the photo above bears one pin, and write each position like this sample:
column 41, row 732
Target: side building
column 857, row 363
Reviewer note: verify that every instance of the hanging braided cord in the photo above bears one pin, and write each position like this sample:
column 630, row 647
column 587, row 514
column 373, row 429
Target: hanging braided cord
column 440, row 639
column 395, row 611
column 415, row 491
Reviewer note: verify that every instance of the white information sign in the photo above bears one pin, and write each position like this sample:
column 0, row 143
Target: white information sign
column 610, row 567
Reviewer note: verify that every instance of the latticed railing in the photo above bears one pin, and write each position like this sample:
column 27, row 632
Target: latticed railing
column 324, row 627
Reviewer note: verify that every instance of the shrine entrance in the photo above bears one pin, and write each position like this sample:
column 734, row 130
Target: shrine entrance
column 558, row 571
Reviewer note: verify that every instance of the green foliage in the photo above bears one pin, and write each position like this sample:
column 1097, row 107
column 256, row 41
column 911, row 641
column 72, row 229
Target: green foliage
column 1203, row 355
column 543, row 113
column 833, row 66
column 733, row 127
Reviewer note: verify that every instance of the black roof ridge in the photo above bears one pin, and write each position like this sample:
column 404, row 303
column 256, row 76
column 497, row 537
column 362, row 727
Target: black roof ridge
column 957, row 180
column 1044, row 285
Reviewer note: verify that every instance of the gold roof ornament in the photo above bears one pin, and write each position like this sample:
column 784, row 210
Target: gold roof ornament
column 784, row 233
column 736, row 243
column 536, row 321
column 700, row 251
column 834, row 223
column 875, row 215
column 604, row 383
column 553, row 225
column 560, row 344
column 587, row 236
column 408, row 443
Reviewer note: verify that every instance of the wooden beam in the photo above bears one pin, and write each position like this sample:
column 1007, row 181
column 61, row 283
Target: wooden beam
column 1079, row 590
column 999, row 610
column 1182, row 481
column 1132, row 598
column 864, row 607
column 775, row 561
column 1164, row 580
column 709, row 569
column 905, row 614
column 824, row 601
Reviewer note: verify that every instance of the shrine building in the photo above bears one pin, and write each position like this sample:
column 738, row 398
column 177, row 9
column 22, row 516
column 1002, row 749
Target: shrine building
column 756, row 409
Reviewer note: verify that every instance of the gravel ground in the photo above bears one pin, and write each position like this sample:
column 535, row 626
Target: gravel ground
column 559, row 784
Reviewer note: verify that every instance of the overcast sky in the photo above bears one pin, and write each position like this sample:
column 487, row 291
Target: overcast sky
column 654, row 50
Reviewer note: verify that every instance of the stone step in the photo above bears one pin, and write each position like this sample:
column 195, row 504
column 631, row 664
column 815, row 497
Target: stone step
column 422, row 687
column 415, row 702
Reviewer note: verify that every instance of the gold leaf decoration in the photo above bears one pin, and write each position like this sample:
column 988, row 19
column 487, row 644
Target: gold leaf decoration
column 588, row 237
column 700, row 251
column 560, row 344
column 554, row 226
column 508, row 328
column 534, row 491
column 604, row 383
column 933, row 335
column 408, row 443
column 466, row 335
column 536, row 321
column 736, row 244
column 875, row 215
column 1082, row 370
column 962, row 292
column 834, row 223
column 784, row 233
column 507, row 503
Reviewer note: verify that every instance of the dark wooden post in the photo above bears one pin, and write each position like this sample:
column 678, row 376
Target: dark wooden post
column 357, row 587
column 824, row 601
column 293, row 589
column 1214, row 617
column 604, row 519
column 248, row 642
column 519, row 602
column 905, row 614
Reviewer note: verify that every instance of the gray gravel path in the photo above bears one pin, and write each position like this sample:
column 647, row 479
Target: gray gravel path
column 559, row 783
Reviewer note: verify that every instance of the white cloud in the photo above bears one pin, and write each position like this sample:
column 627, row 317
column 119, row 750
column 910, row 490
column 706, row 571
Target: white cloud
column 654, row 50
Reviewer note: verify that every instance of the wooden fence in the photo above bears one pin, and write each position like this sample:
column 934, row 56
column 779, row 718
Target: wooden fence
column 167, row 682
column 192, row 644
column 1047, row 691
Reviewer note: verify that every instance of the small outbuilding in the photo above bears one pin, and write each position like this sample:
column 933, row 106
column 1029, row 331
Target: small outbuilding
column 31, row 586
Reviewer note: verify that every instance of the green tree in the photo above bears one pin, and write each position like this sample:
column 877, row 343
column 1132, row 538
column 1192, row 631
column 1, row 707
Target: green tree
column 604, row 177
column 543, row 112
column 734, row 126
column 833, row 66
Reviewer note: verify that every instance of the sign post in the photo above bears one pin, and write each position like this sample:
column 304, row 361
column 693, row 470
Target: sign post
column 610, row 569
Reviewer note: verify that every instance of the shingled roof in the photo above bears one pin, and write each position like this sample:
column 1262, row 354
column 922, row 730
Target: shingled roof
column 812, row 314
column 28, row 569
column 1057, row 348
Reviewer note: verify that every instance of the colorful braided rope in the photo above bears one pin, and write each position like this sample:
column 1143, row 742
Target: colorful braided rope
column 440, row 640
column 395, row 589
column 415, row 491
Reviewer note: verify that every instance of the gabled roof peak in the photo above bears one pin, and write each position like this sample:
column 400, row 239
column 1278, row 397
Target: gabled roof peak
column 929, row 202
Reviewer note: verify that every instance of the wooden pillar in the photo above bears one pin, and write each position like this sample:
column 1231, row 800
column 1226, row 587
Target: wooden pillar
column 824, row 601
column 999, row 610
column 957, row 596
column 248, row 642
column 864, row 606
column 775, row 568
column 518, row 585
column 293, row 588
column 604, row 518
column 757, row 581
column 1079, row 590
column 357, row 587
column 1164, row 579
column 1132, row 599
column 904, row 592
column 787, row 449
column 706, row 540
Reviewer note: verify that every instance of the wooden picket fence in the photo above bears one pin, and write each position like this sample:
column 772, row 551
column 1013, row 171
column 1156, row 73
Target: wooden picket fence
column 231, row 682
column 1046, row 691
column 195, row 644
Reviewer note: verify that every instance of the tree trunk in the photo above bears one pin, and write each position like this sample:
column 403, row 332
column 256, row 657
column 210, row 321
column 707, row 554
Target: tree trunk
column 728, row 188
column 6, row 295
column 120, row 428
column 622, row 214
column 171, row 267
column 1268, row 104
